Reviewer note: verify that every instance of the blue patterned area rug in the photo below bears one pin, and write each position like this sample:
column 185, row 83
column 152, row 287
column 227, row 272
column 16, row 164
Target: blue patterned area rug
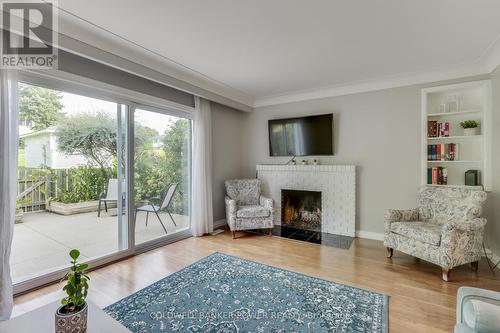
column 223, row 294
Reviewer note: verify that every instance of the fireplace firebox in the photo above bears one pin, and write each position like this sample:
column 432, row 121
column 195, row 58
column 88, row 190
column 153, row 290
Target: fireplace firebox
column 301, row 210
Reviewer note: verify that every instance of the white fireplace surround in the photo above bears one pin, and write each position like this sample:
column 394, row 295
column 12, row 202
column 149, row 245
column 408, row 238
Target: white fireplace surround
column 337, row 184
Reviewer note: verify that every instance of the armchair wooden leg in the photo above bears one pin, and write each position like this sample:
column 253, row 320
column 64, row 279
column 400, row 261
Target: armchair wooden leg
column 390, row 252
column 474, row 265
column 270, row 232
column 234, row 234
column 446, row 274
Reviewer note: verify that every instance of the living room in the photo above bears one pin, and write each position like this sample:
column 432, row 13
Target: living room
column 281, row 166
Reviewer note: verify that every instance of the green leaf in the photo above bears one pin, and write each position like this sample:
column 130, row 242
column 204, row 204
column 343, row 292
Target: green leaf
column 74, row 254
column 81, row 267
column 70, row 289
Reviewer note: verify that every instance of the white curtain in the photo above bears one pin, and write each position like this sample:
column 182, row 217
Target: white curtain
column 8, row 167
column 202, row 214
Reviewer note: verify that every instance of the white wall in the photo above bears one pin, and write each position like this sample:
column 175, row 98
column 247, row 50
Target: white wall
column 42, row 150
column 377, row 131
column 37, row 151
column 227, row 143
column 59, row 160
column 492, row 212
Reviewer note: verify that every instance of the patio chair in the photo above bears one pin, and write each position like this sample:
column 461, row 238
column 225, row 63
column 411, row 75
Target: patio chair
column 111, row 195
column 150, row 207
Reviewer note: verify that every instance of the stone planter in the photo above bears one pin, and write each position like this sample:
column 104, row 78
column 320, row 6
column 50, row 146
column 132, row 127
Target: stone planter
column 71, row 322
column 19, row 216
column 76, row 208
column 470, row 131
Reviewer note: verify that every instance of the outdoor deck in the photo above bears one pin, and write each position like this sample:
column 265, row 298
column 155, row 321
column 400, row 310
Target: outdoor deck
column 42, row 242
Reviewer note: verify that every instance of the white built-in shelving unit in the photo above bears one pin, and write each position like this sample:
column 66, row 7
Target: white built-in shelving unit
column 469, row 101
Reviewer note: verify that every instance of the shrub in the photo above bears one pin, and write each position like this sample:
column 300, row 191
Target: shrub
column 469, row 124
column 83, row 183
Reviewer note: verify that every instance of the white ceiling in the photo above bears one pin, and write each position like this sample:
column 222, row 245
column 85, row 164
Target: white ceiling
column 268, row 48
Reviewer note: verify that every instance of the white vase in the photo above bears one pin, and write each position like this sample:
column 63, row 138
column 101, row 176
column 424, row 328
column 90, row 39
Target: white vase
column 470, row 131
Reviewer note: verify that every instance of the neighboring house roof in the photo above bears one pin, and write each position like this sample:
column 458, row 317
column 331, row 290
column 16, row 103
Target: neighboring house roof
column 47, row 131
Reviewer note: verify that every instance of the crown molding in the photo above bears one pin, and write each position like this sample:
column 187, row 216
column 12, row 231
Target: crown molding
column 491, row 56
column 403, row 80
column 189, row 80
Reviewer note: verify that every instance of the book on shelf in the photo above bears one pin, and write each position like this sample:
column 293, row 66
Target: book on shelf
column 443, row 152
column 438, row 129
column 437, row 176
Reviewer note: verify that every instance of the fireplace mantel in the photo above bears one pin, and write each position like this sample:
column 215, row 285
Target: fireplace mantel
column 337, row 183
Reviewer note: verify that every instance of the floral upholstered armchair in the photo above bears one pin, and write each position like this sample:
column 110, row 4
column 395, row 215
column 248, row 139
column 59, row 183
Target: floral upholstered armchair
column 446, row 229
column 246, row 209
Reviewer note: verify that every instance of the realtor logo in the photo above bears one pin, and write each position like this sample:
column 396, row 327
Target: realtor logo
column 29, row 31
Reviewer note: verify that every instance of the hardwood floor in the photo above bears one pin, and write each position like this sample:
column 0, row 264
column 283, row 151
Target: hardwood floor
column 419, row 301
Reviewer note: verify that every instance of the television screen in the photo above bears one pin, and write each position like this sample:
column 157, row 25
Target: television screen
column 302, row 136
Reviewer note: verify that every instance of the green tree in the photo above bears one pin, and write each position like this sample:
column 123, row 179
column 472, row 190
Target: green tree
column 158, row 168
column 94, row 136
column 90, row 135
column 176, row 147
column 39, row 106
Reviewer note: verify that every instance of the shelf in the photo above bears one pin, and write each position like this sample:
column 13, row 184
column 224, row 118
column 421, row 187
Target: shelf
column 445, row 114
column 456, row 137
column 466, row 186
column 460, row 161
column 475, row 151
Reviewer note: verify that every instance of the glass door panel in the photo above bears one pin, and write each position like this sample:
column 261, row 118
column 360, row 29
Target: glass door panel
column 71, row 176
column 162, row 174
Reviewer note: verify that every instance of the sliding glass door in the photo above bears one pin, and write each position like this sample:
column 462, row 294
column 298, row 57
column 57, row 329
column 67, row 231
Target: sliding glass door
column 162, row 174
column 98, row 173
column 71, row 180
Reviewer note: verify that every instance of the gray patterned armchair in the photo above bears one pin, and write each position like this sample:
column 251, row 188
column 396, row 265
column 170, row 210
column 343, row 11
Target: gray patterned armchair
column 446, row 229
column 246, row 209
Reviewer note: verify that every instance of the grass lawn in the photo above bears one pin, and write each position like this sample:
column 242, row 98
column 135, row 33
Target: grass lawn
column 20, row 159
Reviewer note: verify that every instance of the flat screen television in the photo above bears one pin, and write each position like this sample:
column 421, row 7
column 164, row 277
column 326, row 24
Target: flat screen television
column 304, row 136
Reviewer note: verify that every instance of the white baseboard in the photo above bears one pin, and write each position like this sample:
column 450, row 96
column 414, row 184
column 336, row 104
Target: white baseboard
column 359, row 233
column 219, row 223
column 370, row 235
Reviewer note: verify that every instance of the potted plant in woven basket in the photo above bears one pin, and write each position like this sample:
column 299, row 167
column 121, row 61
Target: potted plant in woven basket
column 71, row 316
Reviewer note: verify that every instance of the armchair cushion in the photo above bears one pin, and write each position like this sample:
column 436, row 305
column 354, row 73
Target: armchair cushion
column 424, row 232
column 244, row 191
column 443, row 204
column 401, row 215
column 252, row 211
column 481, row 316
column 478, row 310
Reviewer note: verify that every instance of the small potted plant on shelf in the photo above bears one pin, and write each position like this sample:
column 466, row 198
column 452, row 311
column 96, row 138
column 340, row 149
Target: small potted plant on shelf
column 470, row 127
column 72, row 315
